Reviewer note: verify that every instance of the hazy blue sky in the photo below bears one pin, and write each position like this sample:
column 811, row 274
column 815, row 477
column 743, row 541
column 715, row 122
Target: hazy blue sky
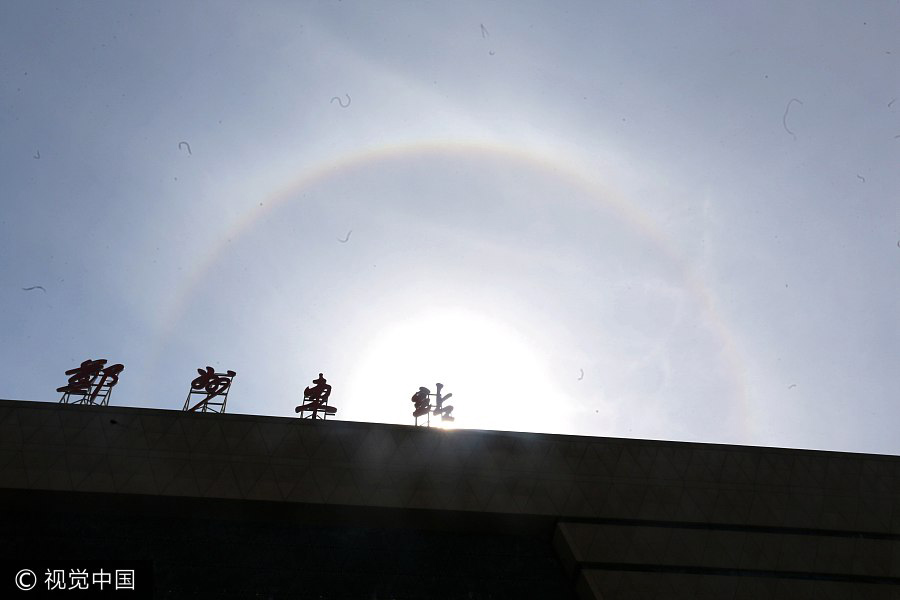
column 673, row 220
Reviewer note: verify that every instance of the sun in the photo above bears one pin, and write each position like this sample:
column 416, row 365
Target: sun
column 498, row 377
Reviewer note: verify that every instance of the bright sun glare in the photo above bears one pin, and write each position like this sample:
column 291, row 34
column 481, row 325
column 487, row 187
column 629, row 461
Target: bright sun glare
column 499, row 379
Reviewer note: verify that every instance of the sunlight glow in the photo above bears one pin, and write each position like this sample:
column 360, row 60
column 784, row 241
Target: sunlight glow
column 498, row 378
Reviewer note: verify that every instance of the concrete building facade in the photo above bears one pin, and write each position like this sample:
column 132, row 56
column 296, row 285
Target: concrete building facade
column 230, row 505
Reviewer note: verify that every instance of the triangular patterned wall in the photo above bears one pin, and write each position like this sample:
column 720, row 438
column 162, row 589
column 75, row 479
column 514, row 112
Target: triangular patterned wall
column 635, row 519
column 128, row 450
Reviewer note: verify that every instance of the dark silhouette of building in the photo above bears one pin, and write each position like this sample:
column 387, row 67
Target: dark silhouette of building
column 239, row 506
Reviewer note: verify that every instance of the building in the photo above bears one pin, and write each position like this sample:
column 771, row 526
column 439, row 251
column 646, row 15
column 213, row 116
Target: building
column 239, row 506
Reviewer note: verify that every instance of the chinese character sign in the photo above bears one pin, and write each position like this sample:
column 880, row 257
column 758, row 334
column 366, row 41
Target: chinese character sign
column 424, row 407
column 315, row 400
column 420, row 399
column 212, row 390
column 90, row 383
column 440, row 408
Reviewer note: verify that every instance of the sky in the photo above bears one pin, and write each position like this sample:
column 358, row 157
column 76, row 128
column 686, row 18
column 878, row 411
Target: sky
column 670, row 220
